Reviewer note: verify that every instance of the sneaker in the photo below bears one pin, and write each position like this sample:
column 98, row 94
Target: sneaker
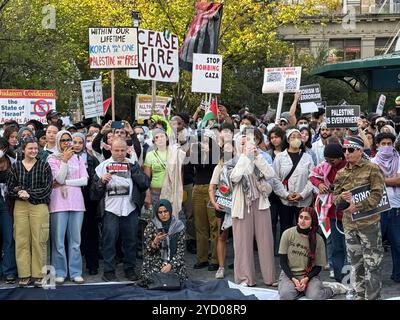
column 109, row 277
column 244, row 284
column 11, row 279
column 331, row 275
column 337, row 287
column 78, row 280
column 220, row 273
column 24, row 282
column 60, row 280
column 38, row 283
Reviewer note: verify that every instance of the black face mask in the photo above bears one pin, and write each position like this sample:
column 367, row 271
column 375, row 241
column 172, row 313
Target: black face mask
column 303, row 231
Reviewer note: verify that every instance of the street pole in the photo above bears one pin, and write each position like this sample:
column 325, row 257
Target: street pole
column 112, row 95
column 279, row 107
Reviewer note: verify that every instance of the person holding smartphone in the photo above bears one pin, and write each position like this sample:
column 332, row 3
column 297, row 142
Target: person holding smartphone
column 67, row 208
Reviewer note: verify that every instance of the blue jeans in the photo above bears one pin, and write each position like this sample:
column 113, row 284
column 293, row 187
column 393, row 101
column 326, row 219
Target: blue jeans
column 390, row 225
column 112, row 227
column 338, row 243
column 66, row 223
column 8, row 263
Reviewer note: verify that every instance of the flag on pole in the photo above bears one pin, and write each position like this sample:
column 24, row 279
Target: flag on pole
column 203, row 33
column 323, row 215
column 211, row 113
column 106, row 105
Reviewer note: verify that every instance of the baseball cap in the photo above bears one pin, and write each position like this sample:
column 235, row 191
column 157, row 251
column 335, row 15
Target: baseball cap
column 52, row 113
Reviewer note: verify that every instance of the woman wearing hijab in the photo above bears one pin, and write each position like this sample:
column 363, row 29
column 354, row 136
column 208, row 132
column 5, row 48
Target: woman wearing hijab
column 90, row 226
column 302, row 256
column 164, row 243
column 388, row 160
column 66, row 208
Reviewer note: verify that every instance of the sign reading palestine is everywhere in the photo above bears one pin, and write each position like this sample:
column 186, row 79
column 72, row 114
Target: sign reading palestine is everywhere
column 342, row 116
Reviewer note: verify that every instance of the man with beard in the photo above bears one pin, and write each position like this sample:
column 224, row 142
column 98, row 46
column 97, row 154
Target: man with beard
column 319, row 146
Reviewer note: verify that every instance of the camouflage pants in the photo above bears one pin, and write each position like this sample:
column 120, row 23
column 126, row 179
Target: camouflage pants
column 365, row 253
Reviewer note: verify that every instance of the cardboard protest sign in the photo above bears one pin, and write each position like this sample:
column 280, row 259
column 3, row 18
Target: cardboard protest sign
column 143, row 106
column 310, row 94
column 361, row 193
column 113, row 48
column 207, row 73
column 92, row 97
column 158, row 57
column 381, row 104
column 342, row 116
column 25, row 105
column 285, row 79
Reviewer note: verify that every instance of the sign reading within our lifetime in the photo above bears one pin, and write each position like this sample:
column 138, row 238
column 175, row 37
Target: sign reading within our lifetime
column 113, row 48
column 158, row 57
column 342, row 116
column 143, row 106
column 25, row 105
column 92, row 98
column 361, row 193
column 207, row 73
column 285, row 79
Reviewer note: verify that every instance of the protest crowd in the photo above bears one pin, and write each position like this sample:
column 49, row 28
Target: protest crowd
column 81, row 196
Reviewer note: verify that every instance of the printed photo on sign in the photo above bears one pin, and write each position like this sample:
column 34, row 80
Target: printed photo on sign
column 285, row 79
column 360, row 194
column 118, row 168
column 119, row 190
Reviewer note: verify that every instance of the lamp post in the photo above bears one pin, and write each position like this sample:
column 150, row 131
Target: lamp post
column 135, row 18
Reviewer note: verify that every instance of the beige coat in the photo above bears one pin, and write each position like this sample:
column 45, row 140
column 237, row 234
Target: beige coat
column 245, row 166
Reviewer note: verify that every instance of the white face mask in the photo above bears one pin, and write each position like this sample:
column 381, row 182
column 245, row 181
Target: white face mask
column 140, row 138
column 303, row 125
column 296, row 143
column 1, row 153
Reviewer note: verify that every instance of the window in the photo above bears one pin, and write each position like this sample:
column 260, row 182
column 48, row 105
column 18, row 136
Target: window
column 381, row 45
column 301, row 46
column 344, row 50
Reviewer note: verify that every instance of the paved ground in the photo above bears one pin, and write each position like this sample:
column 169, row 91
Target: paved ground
column 390, row 289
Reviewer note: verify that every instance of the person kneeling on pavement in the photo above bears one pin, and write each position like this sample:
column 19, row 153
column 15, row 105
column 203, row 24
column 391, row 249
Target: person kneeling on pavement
column 121, row 183
column 302, row 256
column 164, row 244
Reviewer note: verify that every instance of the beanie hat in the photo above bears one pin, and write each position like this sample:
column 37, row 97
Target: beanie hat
column 334, row 151
column 353, row 142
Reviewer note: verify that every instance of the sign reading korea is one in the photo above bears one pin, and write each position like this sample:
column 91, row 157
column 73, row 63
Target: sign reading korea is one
column 25, row 105
column 113, row 48
column 342, row 116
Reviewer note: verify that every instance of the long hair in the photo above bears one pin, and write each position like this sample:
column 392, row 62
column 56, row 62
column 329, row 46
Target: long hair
column 312, row 236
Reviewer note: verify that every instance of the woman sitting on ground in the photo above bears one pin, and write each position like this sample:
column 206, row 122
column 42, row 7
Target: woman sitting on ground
column 164, row 244
column 302, row 256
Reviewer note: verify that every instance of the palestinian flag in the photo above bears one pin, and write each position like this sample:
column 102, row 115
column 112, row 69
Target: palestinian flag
column 211, row 114
column 322, row 217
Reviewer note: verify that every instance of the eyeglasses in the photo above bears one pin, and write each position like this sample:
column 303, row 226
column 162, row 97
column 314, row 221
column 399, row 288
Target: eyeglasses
column 350, row 150
column 65, row 140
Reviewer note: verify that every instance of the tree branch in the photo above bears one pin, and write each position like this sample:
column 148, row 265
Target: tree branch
column 2, row 5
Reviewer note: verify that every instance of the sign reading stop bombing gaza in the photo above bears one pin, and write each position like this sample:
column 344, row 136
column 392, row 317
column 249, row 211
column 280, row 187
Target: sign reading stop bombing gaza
column 25, row 105
column 342, row 116
column 207, row 73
